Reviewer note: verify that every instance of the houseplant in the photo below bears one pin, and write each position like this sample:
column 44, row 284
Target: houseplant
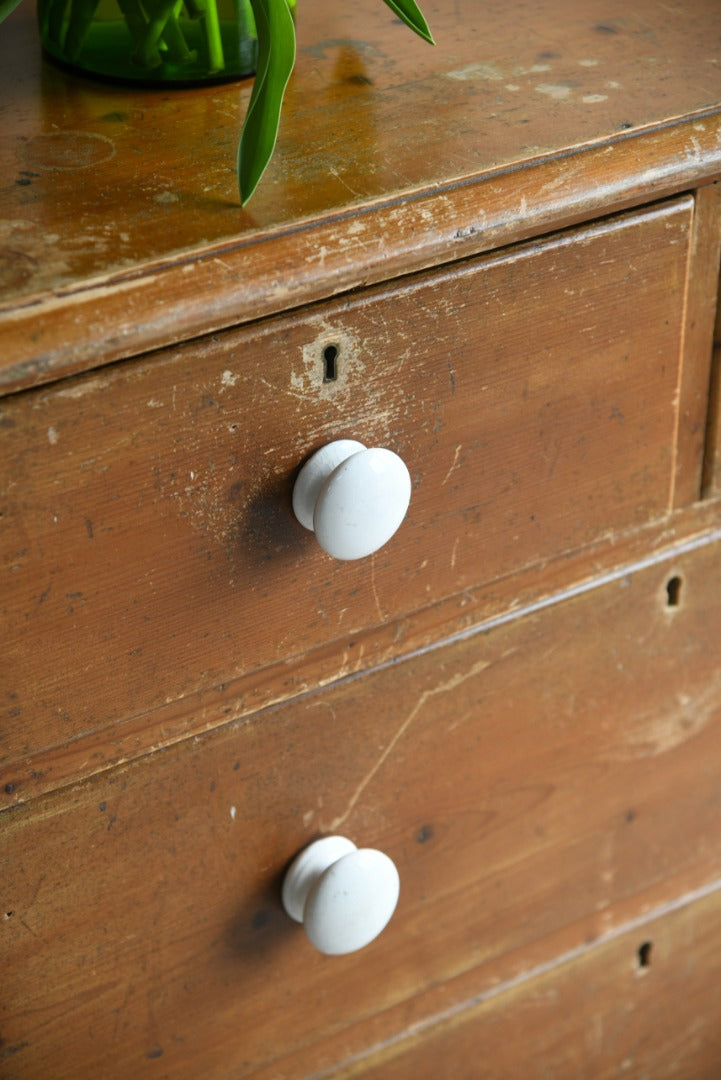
column 156, row 39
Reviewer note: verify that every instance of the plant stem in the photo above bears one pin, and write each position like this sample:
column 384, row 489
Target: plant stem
column 216, row 58
column 174, row 39
column 153, row 32
column 82, row 13
column 53, row 21
column 137, row 25
column 164, row 29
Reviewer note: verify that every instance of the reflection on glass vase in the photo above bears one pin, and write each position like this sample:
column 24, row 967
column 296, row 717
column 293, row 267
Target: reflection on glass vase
column 152, row 41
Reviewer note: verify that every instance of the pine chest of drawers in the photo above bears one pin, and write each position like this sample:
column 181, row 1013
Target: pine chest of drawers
column 499, row 259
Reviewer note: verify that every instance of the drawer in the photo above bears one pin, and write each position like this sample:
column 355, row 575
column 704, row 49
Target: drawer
column 519, row 779
column 149, row 546
column 642, row 1004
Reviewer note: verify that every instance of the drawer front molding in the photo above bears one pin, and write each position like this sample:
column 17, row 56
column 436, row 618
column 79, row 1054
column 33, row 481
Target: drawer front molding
column 518, row 779
column 150, row 545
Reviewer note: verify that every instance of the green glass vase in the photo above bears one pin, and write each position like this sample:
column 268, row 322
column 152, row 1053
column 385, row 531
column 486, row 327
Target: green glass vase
column 152, row 41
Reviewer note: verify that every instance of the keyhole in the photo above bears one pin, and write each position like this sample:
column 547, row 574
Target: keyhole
column 644, row 954
column 330, row 363
column 673, row 592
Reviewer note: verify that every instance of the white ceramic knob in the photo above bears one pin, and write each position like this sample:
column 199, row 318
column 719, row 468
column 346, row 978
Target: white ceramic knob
column 351, row 497
column 343, row 895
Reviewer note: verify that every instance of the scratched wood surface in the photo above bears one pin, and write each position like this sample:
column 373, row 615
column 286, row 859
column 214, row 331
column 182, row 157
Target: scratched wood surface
column 698, row 392
column 149, row 549
column 522, row 118
column 540, row 786
column 547, row 780
column 711, row 480
column 638, row 1005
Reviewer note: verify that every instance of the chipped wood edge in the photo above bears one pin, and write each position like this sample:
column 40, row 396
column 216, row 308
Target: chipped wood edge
column 457, row 617
column 229, row 284
column 697, row 347
column 711, row 479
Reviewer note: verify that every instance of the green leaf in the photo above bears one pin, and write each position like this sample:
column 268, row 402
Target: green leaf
column 276, row 57
column 6, row 6
column 409, row 11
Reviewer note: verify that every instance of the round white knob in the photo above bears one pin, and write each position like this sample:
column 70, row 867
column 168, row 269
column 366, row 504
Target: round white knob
column 343, row 895
column 352, row 497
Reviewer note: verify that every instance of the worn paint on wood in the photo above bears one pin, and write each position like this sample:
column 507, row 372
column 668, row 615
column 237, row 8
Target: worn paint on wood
column 712, row 456
column 519, row 699
column 637, row 1004
column 150, row 549
column 521, row 120
column 699, row 369
column 539, row 786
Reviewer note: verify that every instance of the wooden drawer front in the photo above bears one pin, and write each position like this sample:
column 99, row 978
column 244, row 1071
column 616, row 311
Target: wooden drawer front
column 538, row 786
column 150, row 547
column 599, row 1014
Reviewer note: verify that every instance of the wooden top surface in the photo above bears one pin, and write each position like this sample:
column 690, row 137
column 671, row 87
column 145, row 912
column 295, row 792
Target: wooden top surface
column 120, row 226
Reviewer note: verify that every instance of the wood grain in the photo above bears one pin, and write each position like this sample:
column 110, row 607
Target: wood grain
column 149, row 547
column 711, row 481
column 539, row 785
column 111, row 243
column 696, row 369
column 513, row 241
column 637, row 1004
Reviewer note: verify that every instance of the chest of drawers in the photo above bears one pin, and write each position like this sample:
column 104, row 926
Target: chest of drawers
column 500, row 259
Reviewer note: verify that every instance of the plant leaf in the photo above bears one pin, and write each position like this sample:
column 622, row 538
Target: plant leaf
column 276, row 57
column 409, row 11
column 6, row 6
